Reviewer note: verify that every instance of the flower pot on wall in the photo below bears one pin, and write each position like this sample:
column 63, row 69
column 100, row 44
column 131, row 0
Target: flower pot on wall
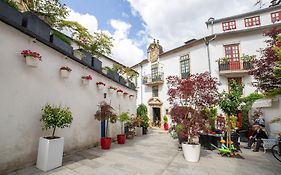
column 30, row 61
column 105, row 143
column 61, row 44
column 36, row 25
column 138, row 131
column 50, row 153
column 121, row 138
column 100, row 86
column 10, row 14
column 64, row 73
column 191, row 152
column 85, row 82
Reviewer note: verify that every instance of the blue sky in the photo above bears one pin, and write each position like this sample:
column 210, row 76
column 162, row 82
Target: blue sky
column 134, row 23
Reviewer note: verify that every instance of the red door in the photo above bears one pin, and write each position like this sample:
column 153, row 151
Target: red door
column 232, row 52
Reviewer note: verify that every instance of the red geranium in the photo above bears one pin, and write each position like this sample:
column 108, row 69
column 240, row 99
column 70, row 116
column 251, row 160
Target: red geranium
column 119, row 90
column 111, row 87
column 125, row 93
column 100, row 83
column 34, row 55
column 88, row 77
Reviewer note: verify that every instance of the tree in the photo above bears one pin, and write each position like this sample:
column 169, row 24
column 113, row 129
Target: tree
column 230, row 104
column 266, row 70
column 189, row 98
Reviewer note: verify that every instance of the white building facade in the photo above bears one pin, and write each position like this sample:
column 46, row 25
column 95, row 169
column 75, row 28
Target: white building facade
column 229, row 38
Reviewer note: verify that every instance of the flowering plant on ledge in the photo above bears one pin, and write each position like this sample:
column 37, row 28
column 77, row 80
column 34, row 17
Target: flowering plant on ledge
column 120, row 91
column 131, row 96
column 88, row 77
column 29, row 53
column 111, row 87
column 125, row 93
column 100, row 83
column 66, row 68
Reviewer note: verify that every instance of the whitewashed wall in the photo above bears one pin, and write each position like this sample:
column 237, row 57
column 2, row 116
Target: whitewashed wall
column 25, row 90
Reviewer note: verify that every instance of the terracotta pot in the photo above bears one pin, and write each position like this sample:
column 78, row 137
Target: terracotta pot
column 166, row 126
column 105, row 142
column 121, row 138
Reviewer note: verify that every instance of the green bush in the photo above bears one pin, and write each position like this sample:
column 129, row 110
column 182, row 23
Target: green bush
column 165, row 118
column 55, row 117
column 123, row 117
column 142, row 112
column 12, row 4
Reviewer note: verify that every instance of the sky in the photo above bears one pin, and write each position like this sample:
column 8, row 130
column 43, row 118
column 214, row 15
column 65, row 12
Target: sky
column 133, row 24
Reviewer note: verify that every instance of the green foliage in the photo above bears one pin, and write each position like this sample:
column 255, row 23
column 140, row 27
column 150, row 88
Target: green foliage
column 105, row 112
column 125, row 70
column 12, row 4
column 123, row 117
column 101, row 44
column 55, row 117
column 165, row 118
column 62, row 36
column 179, row 128
column 230, row 102
column 248, row 58
column 142, row 112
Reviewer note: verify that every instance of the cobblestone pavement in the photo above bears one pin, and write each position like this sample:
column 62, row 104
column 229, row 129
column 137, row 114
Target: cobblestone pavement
column 157, row 154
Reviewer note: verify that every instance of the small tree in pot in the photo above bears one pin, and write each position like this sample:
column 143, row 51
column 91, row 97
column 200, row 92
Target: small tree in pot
column 106, row 114
column 166, row 126
column 190, row 97
column 123, row 117
column 142, row 112
column 50, row 149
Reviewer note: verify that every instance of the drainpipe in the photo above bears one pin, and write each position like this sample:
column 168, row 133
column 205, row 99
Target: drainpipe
column 207, row 42
column 141, row 86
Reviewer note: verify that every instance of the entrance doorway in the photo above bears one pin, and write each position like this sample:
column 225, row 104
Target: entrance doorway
column 156, row 117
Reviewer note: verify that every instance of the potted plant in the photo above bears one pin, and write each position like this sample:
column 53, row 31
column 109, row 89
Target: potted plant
column 86, row 79
column 31, row 58
column 137, row 121
column 111, row 89
column 131, row 96
column 125, row 93
column 50, row 149
column 224, row 63
column 100, row 85
column 247, row 61
column 106, row 115
column 65, row 71
column 166, row 126
column 142, row 112
column 123, row 117
column 119, row 91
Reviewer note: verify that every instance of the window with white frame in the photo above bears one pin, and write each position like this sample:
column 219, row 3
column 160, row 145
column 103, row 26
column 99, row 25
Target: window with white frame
column 185, row 66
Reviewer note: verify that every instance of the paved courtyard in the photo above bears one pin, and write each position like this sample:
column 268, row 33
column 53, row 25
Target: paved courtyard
column 157, row 154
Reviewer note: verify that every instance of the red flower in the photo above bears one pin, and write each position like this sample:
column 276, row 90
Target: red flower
column 34, row 55
column 125, row 93
column 111, row 87
column 100, row 83
column 88, row 77
column 119, row 90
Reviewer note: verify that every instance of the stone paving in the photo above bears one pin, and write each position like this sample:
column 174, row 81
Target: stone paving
column 157, row 154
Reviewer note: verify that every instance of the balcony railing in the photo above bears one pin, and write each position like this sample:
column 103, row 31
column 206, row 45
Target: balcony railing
column 157, row 78
column 234, row 67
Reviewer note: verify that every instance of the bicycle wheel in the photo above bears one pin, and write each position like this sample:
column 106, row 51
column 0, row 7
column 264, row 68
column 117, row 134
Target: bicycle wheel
column 276, row 152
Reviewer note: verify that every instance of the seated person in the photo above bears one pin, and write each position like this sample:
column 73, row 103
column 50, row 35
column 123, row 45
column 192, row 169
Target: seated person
column 256, row 137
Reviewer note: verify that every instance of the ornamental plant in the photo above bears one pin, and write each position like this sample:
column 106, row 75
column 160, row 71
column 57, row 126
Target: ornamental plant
column 111, row 87
column 125, row 93
column 131, row 96
column 142, row 112
column 32, row 54
column 123, row 117
column 88, row 77
column 189, row 98
column 165, row 118
column 55, row 117
column 66, row 68
column 119, row 90
column 100, row 83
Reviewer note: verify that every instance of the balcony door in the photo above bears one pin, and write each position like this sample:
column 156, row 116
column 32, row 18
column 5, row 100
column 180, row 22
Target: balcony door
column 232, row 52
column 154, row 72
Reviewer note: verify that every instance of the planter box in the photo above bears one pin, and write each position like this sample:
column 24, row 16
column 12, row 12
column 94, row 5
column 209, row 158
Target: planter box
column 50, row 153
column 64, row 73
column 191, row 152
column 10, row 13
column 138, row 131
column 223, row 67
column 30, row 61
column 87, row 58
column 97, row 64
column 113, row 75
column 247, row 65
column 122, row 80
column 85, row 82
column 36, row 25
column 61, row 44
column 132, row 85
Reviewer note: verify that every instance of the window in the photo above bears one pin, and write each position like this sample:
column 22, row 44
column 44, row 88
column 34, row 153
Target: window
column 229, row 25
column 154, row 91
column 185, row 66
column 275, row 17
column 154, row 72
column 232, row 52
column 252, row 21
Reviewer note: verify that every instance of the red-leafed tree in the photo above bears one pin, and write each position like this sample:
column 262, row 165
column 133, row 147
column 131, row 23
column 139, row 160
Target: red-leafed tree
column 189, row 98
column 263, row 69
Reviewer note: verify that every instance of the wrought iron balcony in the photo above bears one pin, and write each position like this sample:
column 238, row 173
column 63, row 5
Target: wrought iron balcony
column 153, row 79
column 232, row 68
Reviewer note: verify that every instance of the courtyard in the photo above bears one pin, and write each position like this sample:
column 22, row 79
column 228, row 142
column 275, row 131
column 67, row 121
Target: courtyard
column 157, row 153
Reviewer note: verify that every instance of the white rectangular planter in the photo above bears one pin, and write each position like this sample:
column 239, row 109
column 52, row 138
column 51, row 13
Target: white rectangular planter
column 138, row 131
column 30, row 61
column 85, row 81
column 64, row 73
column 50, row 153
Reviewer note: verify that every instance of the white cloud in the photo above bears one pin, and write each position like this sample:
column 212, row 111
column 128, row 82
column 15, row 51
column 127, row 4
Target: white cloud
column 175, row 21
column 125, row 50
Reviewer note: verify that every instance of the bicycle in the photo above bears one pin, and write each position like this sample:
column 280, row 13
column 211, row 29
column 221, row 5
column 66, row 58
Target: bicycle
column 276, row 149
